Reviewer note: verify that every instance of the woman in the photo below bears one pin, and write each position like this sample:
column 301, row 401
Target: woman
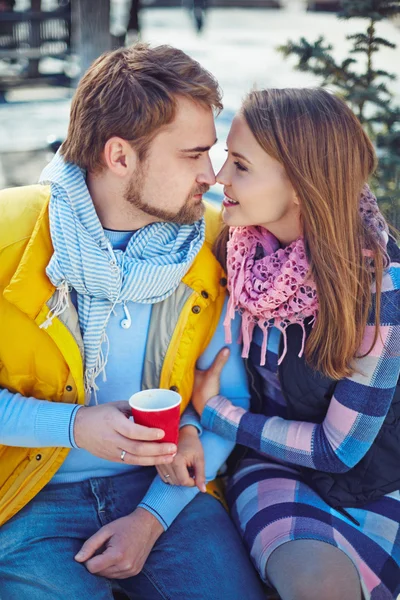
column 315, row 493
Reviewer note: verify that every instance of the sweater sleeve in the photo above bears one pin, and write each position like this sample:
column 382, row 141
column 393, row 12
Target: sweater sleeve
column 32, row 423
column 356, row 412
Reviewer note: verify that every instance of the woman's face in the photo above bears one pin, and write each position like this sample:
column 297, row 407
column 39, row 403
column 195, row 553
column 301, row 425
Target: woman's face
column 257, row 189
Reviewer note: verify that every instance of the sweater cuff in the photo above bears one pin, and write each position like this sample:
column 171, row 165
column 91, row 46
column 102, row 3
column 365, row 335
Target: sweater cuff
column 189, row 419
column 54, row 424
column 71, row 426
column 165, row 502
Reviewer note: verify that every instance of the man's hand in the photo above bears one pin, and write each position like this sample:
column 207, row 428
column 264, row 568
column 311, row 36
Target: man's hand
column 207, row 383
column 106, row 431
column 120, row 549
column 188, row 466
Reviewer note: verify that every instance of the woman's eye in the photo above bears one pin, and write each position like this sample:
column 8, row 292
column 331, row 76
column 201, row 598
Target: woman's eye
column 240, row 166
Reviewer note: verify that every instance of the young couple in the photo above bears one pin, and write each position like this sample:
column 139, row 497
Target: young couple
column 113, row 280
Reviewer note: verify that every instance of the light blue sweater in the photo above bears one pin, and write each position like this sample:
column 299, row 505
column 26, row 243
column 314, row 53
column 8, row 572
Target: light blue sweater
column 29, row 422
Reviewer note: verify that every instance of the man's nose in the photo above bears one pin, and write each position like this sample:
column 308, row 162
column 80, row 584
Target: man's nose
column 207, row 175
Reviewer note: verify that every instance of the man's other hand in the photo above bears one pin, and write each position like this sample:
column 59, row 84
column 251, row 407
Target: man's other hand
column 120, row 549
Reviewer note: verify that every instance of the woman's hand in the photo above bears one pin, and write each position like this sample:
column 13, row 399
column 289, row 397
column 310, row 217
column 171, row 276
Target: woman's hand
column 207, row 383
column 187, row 467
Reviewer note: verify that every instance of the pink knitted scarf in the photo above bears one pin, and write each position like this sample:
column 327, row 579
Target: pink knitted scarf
column 271, row 286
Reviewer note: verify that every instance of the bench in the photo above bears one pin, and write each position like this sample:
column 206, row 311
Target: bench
column 26, row 37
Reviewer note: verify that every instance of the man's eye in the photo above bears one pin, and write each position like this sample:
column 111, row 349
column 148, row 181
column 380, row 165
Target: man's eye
column 195, row 157
column 240, row 166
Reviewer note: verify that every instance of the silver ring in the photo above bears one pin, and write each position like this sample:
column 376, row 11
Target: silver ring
column 123, row 455
column 167, row 477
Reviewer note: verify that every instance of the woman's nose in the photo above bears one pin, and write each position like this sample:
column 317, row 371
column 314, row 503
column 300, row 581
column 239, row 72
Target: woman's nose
column 222, row 176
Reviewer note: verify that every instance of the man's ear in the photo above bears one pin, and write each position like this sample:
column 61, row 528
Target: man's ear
column 119, row 156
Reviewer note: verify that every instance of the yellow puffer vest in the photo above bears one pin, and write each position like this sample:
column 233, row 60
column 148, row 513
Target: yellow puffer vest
column 47, row 363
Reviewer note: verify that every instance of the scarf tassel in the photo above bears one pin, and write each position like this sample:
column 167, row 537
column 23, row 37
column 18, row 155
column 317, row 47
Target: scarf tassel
column 100, row 368
column 60, row 306
column 264, row 346
column 284, row 335
column 247, row 329
column 303, row 339
column 230, row 315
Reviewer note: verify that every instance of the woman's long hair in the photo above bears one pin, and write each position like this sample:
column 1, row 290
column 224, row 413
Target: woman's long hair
column 328, row 159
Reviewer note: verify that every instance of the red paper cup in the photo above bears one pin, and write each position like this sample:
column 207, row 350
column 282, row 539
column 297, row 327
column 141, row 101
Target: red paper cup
column 158, row 408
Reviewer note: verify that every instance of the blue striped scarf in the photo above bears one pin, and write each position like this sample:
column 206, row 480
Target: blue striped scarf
column 149, row 270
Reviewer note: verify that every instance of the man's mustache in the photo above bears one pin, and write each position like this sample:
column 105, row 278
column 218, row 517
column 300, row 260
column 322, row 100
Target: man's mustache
column 201, row 189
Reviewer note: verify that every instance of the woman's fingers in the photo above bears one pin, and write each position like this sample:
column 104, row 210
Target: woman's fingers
column 166, row 473
column 199, row 472
column 181, row 473
column 176, row 474
column 219, row 363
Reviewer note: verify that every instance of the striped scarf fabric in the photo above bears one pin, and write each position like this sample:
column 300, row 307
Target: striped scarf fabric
column 148, row 271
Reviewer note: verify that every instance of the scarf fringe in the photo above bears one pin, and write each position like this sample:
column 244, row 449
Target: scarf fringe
column 247, row 330
column 60, row 306
column 230, row 315
column 100, row 368
column 248, row 325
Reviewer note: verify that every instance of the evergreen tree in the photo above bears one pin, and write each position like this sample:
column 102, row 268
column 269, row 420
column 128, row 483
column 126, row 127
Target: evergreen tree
column 364, row 88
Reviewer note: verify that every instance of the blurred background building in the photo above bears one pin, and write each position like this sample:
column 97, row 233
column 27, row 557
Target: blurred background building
column 46, row 44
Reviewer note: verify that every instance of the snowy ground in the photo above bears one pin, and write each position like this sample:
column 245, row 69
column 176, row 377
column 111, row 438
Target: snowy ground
column 238, row 46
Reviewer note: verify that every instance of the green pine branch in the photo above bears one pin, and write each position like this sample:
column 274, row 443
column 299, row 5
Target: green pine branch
column 364, row 88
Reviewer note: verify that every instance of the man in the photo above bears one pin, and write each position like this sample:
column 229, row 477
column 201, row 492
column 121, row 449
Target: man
column 107, row 287
column 198, row 9
column 133, row 27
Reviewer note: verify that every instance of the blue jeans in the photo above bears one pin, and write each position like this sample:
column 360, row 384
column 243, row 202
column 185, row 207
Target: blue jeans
column 200, row 556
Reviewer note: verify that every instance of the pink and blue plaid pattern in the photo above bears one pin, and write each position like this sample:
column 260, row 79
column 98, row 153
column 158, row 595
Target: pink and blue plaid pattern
column 270, row 502
column 272, row 505
column 356, row 412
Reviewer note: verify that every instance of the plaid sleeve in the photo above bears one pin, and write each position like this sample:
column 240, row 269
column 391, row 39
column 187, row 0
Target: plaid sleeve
column 356, row 411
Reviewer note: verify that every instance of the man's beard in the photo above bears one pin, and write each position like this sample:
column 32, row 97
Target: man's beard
column 188, row 214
